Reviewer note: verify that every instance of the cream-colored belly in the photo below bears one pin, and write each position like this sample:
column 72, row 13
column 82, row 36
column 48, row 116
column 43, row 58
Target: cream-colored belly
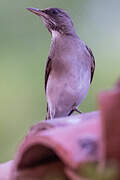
column 66, row 91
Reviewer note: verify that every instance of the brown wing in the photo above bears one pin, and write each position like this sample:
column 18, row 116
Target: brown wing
column 47, row 70
column 92, row 63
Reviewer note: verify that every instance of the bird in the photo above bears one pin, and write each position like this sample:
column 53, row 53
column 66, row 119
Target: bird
column 70, row 65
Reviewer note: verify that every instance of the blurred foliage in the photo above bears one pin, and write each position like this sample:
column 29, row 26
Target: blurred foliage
column 24, row 47
column 91, row 171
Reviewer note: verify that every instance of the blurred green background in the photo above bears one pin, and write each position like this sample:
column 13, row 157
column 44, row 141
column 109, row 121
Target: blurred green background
column 24, row 47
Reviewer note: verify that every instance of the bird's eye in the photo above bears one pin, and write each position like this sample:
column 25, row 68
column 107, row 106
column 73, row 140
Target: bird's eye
column 54, row 11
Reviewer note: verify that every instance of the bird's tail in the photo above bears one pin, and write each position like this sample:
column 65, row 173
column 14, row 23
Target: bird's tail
column 48, row 113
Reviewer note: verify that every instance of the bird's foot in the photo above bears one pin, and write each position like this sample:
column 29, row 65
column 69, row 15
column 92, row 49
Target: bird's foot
column 73, row 110
column 77, row 111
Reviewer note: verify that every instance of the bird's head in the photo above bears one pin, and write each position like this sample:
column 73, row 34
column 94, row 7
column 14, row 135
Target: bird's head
column 55, row 19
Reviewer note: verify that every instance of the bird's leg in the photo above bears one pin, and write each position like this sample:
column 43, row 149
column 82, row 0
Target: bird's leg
column 74, row 109
column 71, row 112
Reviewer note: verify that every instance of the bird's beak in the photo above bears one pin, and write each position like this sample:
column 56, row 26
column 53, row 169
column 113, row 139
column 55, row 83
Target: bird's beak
column 36, row 11
column 44, row 16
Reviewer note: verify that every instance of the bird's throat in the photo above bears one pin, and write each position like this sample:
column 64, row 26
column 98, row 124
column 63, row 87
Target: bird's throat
column 55, row 35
